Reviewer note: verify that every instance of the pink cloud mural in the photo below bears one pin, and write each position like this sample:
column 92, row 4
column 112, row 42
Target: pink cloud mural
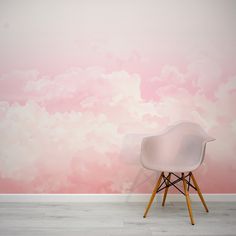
column 81, row 82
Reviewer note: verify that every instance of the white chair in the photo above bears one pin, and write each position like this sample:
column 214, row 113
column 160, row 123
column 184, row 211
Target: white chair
column 179, row 149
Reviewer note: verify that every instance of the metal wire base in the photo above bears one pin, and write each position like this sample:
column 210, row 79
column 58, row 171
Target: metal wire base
column 169, row 183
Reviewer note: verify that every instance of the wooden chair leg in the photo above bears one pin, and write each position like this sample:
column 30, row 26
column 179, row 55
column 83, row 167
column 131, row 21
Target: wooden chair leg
column 153, row 194
column 199, row 192
column 166, row 190
column 188, row 200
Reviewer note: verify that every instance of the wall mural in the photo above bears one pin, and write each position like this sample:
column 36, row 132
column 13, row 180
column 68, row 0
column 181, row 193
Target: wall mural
column 82, row 81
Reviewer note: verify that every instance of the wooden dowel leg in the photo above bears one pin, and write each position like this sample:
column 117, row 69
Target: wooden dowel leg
column 153, row 194
column 199, row 192
column 166, row 190
column 188, row 200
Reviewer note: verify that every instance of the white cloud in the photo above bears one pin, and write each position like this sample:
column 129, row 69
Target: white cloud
column 111, row 108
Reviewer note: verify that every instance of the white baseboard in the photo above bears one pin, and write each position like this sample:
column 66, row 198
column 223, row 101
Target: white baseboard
column 109, row 197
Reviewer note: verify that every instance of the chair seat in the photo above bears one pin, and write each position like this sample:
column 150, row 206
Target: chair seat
column 175, row 165
column 173, row 168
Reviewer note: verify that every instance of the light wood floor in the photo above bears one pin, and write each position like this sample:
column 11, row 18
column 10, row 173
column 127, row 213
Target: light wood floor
column 115, row 219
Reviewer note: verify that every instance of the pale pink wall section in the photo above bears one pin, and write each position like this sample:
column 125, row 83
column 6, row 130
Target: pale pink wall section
column 81, row 80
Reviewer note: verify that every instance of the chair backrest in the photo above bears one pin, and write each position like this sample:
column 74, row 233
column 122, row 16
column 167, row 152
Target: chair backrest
column 181, row 144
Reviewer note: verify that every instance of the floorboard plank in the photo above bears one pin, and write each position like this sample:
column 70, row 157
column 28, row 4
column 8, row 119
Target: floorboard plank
column 111, row 219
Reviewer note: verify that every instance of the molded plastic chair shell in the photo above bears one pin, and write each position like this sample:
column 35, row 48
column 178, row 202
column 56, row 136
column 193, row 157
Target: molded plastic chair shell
column 180, row 148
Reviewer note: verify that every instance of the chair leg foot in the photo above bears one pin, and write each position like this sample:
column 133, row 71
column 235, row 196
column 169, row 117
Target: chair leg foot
column 166, row 190
column 153, row 194
column 199, row 192
column 188, row 200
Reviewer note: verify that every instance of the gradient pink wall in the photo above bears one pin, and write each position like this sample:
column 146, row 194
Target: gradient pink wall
column 78, row 78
